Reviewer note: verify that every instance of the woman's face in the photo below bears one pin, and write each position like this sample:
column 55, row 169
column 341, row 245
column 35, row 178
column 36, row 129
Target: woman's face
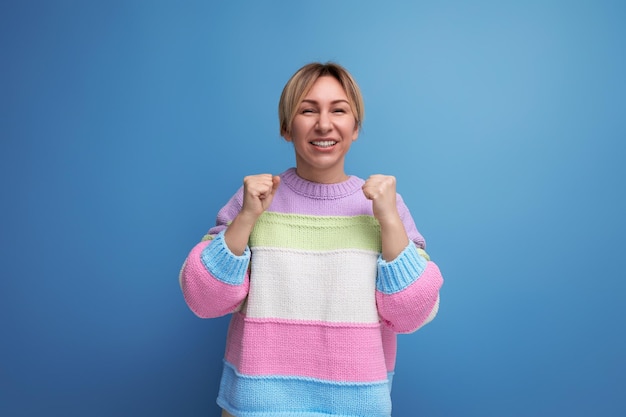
column 322, row 131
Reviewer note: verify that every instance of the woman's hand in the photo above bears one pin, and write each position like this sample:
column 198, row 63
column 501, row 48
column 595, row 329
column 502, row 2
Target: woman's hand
column 381, row 190
column 258, row 193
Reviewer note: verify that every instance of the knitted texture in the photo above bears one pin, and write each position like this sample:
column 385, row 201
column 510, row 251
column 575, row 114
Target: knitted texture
column 315, row 308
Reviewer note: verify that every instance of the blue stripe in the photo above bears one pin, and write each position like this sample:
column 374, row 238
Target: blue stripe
column 223, row 264
column 246, row 396
column 396, row 275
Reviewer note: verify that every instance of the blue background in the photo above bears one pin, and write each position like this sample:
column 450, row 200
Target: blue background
column 126, row 125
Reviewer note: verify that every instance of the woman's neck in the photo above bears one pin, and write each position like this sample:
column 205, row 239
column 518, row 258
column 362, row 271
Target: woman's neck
column 322, row 177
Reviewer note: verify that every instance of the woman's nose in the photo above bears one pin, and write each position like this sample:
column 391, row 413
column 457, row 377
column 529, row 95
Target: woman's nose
column 323, row 122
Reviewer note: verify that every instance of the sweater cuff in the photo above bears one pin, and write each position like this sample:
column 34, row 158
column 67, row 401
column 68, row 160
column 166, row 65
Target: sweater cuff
column 223, row 264
column 398, row 274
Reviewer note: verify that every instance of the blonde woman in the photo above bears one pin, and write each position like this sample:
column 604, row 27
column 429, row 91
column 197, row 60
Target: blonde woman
column 319, row 269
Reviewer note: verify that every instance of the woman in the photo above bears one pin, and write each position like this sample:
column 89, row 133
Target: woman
column 320, row 269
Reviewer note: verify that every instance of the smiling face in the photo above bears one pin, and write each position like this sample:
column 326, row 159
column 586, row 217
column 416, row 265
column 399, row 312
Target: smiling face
column 322, row 131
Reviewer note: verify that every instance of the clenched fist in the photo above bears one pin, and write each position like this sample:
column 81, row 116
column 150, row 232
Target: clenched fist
column 258, row 192
column 381, row 189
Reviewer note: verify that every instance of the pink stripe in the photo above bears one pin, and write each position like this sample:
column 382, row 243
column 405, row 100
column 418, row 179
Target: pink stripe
column 407, row 310
column 390, row 346
column 348, row 352
column 207, row 296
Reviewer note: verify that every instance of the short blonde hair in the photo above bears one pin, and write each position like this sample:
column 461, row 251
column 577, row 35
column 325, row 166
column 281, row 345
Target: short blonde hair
column 302, row 81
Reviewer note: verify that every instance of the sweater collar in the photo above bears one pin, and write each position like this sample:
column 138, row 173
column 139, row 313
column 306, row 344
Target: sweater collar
column 320, row 191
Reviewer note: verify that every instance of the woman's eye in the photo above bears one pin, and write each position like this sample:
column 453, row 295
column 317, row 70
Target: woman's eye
column 304, row 111
column 339, row 110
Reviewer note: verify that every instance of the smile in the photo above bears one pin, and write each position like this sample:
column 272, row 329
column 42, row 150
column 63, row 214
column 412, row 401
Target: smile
column 324, row 143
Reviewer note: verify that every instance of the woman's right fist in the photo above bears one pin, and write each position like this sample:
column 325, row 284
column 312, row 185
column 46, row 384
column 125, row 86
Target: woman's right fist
column 258, row 192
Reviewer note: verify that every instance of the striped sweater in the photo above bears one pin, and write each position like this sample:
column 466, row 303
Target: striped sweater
column 315, row 308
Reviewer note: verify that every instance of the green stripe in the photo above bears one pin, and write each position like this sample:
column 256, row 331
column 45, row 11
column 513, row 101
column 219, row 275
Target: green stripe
column 316, row 232
column 423, row 253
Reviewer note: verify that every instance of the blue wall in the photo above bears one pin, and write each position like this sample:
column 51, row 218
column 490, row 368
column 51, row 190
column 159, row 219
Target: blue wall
column 125, row 125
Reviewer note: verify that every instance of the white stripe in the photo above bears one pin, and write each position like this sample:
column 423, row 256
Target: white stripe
column 332, row 286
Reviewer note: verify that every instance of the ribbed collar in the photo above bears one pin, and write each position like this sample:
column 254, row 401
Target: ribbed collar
column 320, row 191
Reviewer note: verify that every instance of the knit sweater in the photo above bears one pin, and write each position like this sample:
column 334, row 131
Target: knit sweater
column 316, row 308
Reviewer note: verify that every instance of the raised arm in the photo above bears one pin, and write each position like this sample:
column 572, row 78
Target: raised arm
column 408, row 283
column 381, row 190
column 258, row 192
column 215, row 278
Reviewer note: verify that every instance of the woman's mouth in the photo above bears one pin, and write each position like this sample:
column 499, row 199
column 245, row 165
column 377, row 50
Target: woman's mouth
column 324, row 143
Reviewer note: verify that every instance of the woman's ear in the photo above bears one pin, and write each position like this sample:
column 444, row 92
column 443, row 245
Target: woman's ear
column 285, row 134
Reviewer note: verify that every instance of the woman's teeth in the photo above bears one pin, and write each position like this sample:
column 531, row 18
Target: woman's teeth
column 324, row 143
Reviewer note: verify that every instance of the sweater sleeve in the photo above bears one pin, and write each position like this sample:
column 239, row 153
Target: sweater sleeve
column 215, row 281
column 407, row 288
